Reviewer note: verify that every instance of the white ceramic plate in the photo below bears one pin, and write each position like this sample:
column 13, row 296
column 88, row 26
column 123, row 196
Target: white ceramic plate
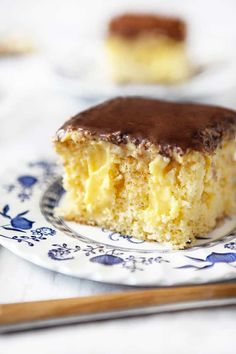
column 29, row 228
column 83, row 73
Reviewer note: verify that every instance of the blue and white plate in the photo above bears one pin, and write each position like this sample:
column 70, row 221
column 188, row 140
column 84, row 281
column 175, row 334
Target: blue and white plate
column 30, row 228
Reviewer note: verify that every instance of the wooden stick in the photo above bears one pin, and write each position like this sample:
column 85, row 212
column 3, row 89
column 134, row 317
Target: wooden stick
column 41, row 310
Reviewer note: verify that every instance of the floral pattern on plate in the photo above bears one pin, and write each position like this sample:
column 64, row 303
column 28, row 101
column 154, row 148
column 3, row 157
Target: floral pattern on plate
column 31, row 228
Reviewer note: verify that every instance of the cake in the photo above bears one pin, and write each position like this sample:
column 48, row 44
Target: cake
column 144, row 48
column 15, row 44
column 152, row 169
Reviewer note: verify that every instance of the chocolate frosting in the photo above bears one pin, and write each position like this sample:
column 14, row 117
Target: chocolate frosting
column 170, row 126
column 131, row 25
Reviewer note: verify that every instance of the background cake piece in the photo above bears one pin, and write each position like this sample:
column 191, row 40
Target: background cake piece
column 146, row 48
column 152, row 169
column 15, row 44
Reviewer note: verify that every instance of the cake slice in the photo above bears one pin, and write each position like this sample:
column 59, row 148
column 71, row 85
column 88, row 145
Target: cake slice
column 144, row 48
column 152, row 169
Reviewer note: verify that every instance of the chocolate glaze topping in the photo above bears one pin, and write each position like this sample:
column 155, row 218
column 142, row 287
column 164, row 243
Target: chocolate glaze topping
column 131, row 25
column 170, row 126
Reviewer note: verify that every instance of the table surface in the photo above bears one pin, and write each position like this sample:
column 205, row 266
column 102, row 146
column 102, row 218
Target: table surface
column 31, row 109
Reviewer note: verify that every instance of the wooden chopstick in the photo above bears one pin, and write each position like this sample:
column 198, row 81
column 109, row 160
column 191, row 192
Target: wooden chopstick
column 51, row 309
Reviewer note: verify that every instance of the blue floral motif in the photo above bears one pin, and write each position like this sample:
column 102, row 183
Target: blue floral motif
column 107, row 259
column 39, row 234
column 115, row 236
column 101, row 255
column 93, row 249
column 25, row 239
column 47, row 167
column 18, row 222
column 62, row 252
column 231, row 245
column 27, row 181
column 43, row 231
column 24, row 184
column 212, row 259
column 10, row 187
column 133, row 263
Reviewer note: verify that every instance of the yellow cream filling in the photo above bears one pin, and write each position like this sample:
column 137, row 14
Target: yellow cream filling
column 99, row 188
column 142, row 193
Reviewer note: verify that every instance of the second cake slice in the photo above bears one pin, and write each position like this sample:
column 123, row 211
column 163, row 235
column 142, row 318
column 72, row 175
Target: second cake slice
column 147, row 48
